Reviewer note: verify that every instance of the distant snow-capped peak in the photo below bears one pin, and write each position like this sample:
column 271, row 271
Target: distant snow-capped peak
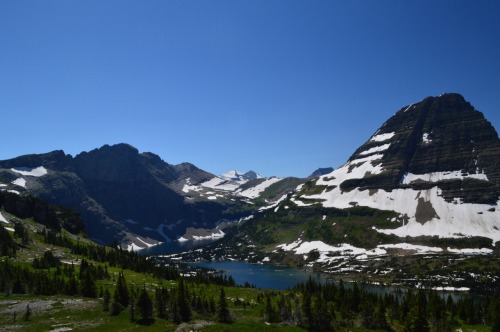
column 240, row 177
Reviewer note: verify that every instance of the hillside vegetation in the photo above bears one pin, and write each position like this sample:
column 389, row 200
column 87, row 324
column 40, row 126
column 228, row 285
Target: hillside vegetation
column 54, row 280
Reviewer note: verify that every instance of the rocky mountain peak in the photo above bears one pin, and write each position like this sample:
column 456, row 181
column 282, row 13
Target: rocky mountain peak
column 435, row 162
column 436, row 135
column 238, row 176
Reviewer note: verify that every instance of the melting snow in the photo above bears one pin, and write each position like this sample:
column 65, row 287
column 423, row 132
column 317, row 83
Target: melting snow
column 254, row 192
column 347, row 250
column 214, row 236
column 438, row 176
column 426, row 139
column 364, row 160
column 382, row 137
column 218, row 183
column 482, row 251
column 39, row 171
column 455, row 220
column 188, row 187
column 2, row 219
column 20, row 182
column 376, row 149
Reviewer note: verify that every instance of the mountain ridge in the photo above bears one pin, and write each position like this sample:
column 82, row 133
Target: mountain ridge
column 433, row 163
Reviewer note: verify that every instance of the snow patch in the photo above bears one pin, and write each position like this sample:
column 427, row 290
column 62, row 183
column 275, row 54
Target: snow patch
column 2, row 219
column 254, row 192
column 382, row 137
column 426, row 139
column 454, row 221
column 439, row 176
column 20, row 182
column 482, row 251
column 213, row 236
column 221, row 184
column 376, row 149
column 37, row 172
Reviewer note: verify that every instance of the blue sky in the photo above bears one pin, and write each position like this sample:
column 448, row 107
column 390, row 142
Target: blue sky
column 280, row 87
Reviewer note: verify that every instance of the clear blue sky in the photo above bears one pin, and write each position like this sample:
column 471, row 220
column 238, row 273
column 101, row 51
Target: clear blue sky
column 281, row 87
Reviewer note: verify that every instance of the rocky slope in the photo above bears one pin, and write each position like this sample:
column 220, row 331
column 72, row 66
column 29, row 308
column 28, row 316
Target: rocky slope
column 134, row 198
column 436, row 163
column 426, row 183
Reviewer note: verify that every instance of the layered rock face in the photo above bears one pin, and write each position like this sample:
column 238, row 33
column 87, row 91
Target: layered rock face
column 435, row 162
column 119, row 192
column 443, row 137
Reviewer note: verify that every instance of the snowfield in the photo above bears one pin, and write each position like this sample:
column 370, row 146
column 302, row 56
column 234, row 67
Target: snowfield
column 441, row 218
column 439, row 176
column 37, row 172
column 329, row 253
column 2, row 219
column 254, row 192
column 382, row 137
column 20, row 182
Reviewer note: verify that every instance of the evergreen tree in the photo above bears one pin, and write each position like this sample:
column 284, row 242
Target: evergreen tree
column 121, row 294
column 270, row 312
column 183, row 302
column 161, row 300
column 307, row 308
column 106, row 297
column 379, row 316
column 223, row 314
column 88, row 287
column 145, row 307
column 496, row 314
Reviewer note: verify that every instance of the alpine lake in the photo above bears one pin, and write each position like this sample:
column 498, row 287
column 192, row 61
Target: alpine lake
column 269, row 275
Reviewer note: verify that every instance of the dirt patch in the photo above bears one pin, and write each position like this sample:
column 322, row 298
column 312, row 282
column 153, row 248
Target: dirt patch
column 38, row 306
column 425, row 211
column 195, row 326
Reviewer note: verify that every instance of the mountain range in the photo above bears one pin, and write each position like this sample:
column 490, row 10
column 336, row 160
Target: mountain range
column 432, row 169
column 136, row 199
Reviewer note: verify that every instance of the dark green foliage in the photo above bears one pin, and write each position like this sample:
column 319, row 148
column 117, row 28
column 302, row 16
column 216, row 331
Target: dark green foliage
column 88, row 286
column 7, row 244
column 42, row 212
column 121, row 291
column 106, row 298
column 145, row 307
column 183, row 302
column 223, row 314
column 21, row 233
column 48, row 260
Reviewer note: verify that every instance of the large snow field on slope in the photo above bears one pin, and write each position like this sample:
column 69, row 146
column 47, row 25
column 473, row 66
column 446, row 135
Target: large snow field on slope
column 254, row 192
column 450, row 219
column 439, row 176
column 38, row 171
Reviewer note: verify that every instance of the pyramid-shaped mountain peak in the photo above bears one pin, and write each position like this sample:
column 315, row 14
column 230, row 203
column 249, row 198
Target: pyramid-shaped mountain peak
column 437, row 135
column 436, row 162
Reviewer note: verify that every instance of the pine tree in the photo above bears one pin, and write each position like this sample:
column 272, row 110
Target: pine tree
column 182, row 302
column 307, row 308
column 161, row 302
column 270, row 313
column 145, row 307
column 379, row 317
column 88, row 287
column 106, row 297
column 223, row 314
column 121, row 291
column 496, row 314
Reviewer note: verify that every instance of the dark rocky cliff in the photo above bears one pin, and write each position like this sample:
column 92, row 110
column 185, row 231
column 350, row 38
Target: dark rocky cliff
column 438, row 134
